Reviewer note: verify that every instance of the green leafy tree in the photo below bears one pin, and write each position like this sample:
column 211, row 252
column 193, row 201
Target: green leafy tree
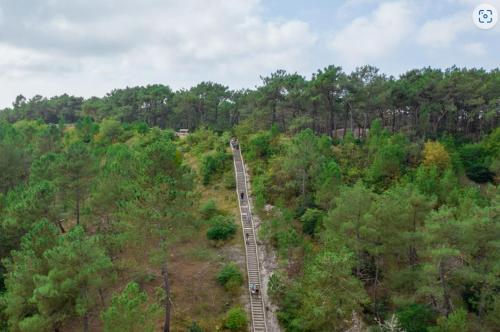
column 416, row 318
column 455, row 322
column 110, row 131
column 230, row 276
column 209, row 209
column 129, row 311
column 327, row 184
column 25, row 263
column 14, row 166
column 312, row 221
column 77, row 170
column 301, row 161
column 327, row 305
column 236, row 319
column 78, row 271
column 221, row 228
column 349, row 218
column 326, row 88
column 388, row 158
column 162, row 214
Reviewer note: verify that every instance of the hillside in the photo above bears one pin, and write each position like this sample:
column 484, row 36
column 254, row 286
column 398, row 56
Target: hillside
column 377, row 196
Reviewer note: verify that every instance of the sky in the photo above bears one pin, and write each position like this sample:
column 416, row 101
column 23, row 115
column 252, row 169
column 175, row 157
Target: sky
column 89, row 47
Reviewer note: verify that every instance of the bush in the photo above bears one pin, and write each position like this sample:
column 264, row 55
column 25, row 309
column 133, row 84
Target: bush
column 222, row 228
column 277, row 286
column 229, row 180
column 311, row 221
column 435, row 154
column 260, row 145
column 236, row 319
column 110, row 130
column 455, row 322
column 129, row 311
column 416, row 318
column 212, row 163
column 230, row 276
column 208, row 209
column 477, row 163
column 195, row 328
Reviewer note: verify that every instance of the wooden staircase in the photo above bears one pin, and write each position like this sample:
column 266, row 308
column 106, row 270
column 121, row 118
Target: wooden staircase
column 257, row 306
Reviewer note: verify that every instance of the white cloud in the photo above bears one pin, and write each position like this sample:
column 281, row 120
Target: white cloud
column 378, row 35
column 88, row 47
column 474, row 49
column 443, row 32
column 177, row 42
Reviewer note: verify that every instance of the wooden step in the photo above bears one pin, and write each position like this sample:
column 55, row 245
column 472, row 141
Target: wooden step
column 257, row 306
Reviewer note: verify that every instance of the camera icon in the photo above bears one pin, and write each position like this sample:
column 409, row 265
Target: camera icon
column 485, row 16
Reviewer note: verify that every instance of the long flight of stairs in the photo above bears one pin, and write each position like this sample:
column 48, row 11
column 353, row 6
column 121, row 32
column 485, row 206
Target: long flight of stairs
column 252, row 256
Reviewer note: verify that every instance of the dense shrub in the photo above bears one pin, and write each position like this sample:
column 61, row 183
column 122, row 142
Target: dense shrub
column 208, row 209
column 416, row 318
column 435, row 154
column 230, row 276
column 129, row 311
column 311, row 221
column 388, row 160
column 260, row 145
column 221, row 228
column 229, row 181
column 455, row 322
column 212, row 163
column 194, row 328
column 236, row 319
column 476, row 162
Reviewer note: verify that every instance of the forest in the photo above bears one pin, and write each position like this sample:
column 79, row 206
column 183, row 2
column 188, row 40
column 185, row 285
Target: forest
column 378, row 195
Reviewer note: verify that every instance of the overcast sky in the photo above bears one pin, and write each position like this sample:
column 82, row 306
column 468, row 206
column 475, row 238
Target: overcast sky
column 88, row 47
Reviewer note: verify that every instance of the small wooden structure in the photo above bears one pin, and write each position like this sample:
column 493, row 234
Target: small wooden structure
column 182, row 133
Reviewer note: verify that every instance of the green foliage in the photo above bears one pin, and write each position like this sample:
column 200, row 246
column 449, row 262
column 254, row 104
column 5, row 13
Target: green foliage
column 129, row 311
column 229, row 180
column 260, row 145
column 194, row 327
column 208, row 210
column 476, row 161
column 230, row 276
column 51, row 279
column 221, row 228
column 388, row 159
column 110, row 131
column 21, row 268
column 13, row 166
column 416, row 318
column 277, row 286
column 236, row 319
column 455, row 322
column 311, row 221
column 77, row 168
column 86, row 129
column 301, row 163
column 401, row 224
column 211, row 164
column 327, row 183
column 319, row 309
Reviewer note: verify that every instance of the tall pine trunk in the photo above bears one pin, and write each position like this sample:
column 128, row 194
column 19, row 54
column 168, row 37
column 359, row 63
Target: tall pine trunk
column 78, row 207
column 166, row 289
